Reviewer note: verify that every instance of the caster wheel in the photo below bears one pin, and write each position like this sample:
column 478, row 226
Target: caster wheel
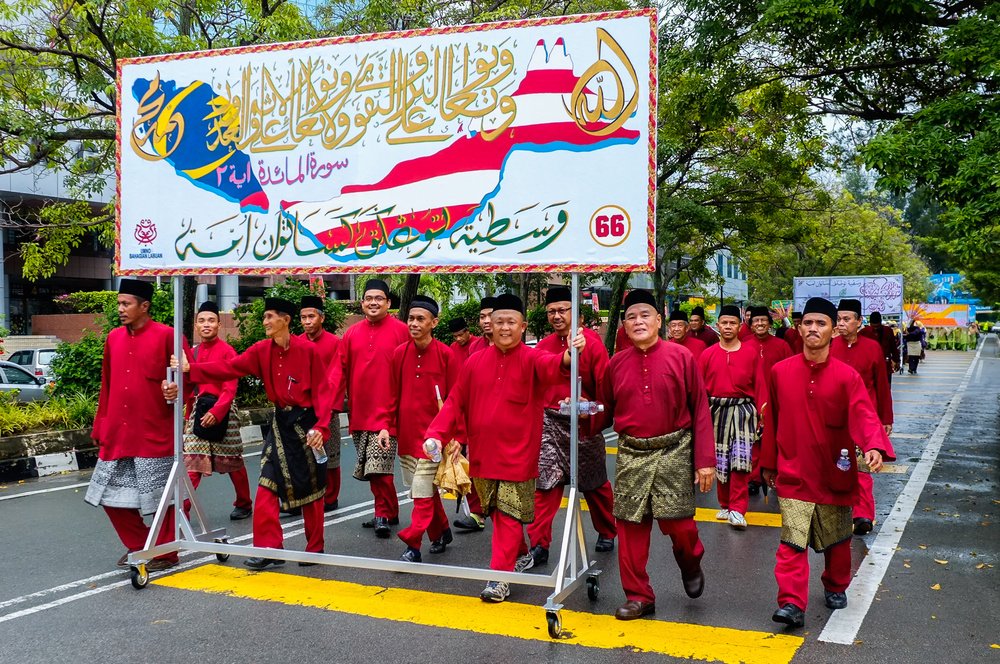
column 222, row 557
column 139, row 577
column 555, row 624
column 593, row 588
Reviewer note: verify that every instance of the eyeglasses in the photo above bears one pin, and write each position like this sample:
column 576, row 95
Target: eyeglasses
column 561, row 312
column 376, row 300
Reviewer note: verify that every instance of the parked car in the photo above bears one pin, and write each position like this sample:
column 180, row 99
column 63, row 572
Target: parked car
column 30, row 388
column 34, row 360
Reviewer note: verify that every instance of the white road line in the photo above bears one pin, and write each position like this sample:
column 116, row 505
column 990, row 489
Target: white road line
column 979, row 371
column 843, row 625
column 40, row 491
column 347, row 513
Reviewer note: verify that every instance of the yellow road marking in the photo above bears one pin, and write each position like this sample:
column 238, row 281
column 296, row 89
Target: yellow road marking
column 898, row 470
column 520, row 621
column 706, row 514
column 611, row 450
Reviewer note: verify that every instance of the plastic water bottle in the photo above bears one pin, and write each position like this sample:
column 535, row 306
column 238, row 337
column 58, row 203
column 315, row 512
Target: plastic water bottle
column 844, row 462
column 320, row 454
column 585, row 408
column 433, row 451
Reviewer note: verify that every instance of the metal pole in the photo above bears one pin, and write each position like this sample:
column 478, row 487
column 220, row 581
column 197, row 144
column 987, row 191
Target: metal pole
column 179, row 402
column 574, row 389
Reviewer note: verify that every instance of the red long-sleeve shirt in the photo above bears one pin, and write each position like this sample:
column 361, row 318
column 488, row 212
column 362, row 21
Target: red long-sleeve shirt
column 478, row 344
column 865, row 357
column 461, row 353
column 706, row 335
column 292, row 376
column 745, row 332
column 328, row 348
column 412, row 402
column 696, row 347
column 656, row 392
column 592, row 363
column 737, row 374
column 794, row 340
column 622, row 340
column 817, row 409
column 888, row 341
column 366, row 352
column 498, row 401
column 210, row 351
column 133, row 419
column 772, row 350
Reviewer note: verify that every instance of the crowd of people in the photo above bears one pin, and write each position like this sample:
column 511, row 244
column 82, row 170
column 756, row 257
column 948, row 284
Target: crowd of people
column 736, row 406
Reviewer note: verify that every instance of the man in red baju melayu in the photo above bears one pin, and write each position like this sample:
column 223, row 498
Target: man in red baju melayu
column 678, row 333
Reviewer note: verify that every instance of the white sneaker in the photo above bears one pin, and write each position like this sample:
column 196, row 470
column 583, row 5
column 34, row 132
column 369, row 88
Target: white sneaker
column 722, row 515
column 737, row 521
column 524, row 563
column 495, row 591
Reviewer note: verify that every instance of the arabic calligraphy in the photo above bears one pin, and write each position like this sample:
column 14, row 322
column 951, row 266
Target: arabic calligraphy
column 313, row 169
column 619, row 111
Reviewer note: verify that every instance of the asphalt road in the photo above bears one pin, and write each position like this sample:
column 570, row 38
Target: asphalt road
column 926, row 589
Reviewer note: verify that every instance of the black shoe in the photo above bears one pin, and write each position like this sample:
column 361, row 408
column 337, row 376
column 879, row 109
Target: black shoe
column 331, row 506
column 753, row 488
column 302, row 564
column 381, row 526
column 540, row 554
column 261, row 563
column 240, row 513
column 862, row 526
column 441, row 543
column 790, row 614
column 370, row 523
column 295, row 511
column 604, row 544
column 411, row 555
column 469, row 524
column 694, row 585
column 836, row 600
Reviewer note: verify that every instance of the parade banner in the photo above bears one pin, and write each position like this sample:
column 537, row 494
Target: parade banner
column 516, row 146
column 883, row 293
column 940, row 315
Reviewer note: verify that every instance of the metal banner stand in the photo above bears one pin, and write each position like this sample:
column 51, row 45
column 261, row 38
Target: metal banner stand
column 572, row 571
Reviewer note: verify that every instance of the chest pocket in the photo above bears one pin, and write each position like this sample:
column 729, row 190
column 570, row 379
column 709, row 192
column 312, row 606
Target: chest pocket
column 296, row 390
column 834, row 414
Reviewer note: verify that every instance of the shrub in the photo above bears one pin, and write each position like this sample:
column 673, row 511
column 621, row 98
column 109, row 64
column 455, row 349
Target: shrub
column 538, row 320
column 468, row 310
column 75, row 411
column 76, row 367
column 161, row 310
column 85, row 302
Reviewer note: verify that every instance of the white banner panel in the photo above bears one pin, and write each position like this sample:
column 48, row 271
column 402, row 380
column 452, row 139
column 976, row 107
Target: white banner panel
column 882, row 293
column 519, row 146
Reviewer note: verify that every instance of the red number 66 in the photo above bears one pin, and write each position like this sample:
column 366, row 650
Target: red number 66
column 613, row 226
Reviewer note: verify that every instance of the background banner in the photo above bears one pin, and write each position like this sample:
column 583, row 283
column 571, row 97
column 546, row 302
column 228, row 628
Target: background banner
column 882, row 293
column 519, row 146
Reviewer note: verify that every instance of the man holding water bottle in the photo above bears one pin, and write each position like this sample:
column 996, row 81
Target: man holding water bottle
column 421, row 373
column 818, row 411
column 293, row 469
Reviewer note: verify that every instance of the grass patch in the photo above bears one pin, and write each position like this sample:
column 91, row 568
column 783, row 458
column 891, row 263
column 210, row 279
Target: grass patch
column 72, row 411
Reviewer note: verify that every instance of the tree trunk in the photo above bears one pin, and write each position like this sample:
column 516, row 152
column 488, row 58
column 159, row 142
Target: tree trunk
column 190, row 285
column 660, row 292
column 523, row 282
column 409, row 290
column 614, row 311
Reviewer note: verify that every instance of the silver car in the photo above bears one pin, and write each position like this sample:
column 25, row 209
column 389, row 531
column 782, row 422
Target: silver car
column 30, row 388
column 34, row 360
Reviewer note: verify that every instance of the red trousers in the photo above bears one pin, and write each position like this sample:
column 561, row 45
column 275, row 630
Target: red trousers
column 864, row 507
column 133, row 531
column 733, row 494
column 508, row 541
column 332, row 486
column 755, row 475
column 241, row 482
column 428, row 517
column 791, row 570
column 633, row 552
column 384, row 491
column 600, row 501
column 267, row 531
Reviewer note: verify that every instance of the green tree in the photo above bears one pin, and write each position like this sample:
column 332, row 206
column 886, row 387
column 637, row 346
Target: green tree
column 846, row 239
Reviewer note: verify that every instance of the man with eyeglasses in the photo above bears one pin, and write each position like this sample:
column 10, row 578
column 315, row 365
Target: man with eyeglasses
column 678, row 331
column 367, row 348
column 554, row 461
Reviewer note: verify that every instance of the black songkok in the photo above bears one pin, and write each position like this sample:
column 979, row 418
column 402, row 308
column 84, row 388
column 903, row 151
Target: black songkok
column 281, row 305
column 376, row 284
column 850, row 305
column 508, row 302
column 312, row 302
column 141, row 289
column 457, row 325
column 639, row 297
column 424, row 302
column 558, row 294
column 698, row 311
column 759, row 311
column 730, row 310
column 820, row 305
column 677, row 314
column 210, row 307
column 488, row 303
column 875, row 318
